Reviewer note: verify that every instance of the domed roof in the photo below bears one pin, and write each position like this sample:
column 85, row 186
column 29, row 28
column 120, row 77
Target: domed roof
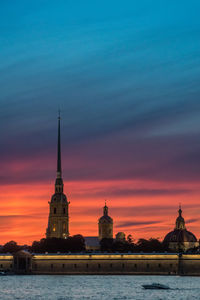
column 180, row 233
column 120, row 236
column 179, row 236
column 105, row 218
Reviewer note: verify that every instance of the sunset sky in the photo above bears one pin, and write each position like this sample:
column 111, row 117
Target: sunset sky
column 126, row 76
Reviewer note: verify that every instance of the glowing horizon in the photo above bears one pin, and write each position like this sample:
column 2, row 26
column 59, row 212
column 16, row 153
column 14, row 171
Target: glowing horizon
column 28, row 211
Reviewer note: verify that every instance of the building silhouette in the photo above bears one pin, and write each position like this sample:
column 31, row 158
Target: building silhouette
column 180, row 239
column 58, row 223
column 105, row 225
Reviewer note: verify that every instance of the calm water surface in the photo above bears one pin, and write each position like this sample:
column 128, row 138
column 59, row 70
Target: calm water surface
column 66, row 287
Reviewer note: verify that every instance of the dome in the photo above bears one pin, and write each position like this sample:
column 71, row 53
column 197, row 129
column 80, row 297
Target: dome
column 120, row 236
column 180, row 236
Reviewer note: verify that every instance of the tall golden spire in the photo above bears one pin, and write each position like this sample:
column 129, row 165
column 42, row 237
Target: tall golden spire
column 59, row 181
column 59, row 168
column 58, row 224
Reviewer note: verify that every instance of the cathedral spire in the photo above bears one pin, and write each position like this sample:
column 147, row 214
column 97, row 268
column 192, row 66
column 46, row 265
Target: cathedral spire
column 59, row 181
column 59, row 169
column 58, row 224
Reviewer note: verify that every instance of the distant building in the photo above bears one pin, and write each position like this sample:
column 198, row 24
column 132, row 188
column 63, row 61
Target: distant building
column 92, row 243
column 58, row 224
column 105, row 225
column 120, row 237
column 180, row 239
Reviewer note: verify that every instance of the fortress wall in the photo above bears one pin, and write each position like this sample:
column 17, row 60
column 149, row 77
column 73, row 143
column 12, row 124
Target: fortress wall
column 189, row 264
column 135, row 264
column 105, row 264
column 6, row 262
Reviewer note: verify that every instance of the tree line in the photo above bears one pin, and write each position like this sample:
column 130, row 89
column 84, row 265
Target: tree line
column 142, row 245
column 76, row 244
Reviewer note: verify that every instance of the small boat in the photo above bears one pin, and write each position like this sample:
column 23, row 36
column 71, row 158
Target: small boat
column 2, row 273
column 155, row 286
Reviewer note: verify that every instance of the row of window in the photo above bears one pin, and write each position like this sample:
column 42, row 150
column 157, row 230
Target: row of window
column 111, row 265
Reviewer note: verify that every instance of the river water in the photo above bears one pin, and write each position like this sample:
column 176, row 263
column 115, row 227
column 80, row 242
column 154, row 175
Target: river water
column 66, row 287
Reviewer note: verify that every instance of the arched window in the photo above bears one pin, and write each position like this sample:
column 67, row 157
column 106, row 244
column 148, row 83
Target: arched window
column 54, row 210
column 54, row 227
column 63, row 210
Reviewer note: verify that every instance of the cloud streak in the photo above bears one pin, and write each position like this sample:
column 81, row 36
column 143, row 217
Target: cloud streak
column 136, row 223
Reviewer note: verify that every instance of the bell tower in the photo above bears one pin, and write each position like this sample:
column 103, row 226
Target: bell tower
column 58, row 224
column 105, row 225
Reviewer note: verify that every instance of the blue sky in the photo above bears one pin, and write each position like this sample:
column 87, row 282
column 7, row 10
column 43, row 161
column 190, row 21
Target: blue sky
column 109, row 66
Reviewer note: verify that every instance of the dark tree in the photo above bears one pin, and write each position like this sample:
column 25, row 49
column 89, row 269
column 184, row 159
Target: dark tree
column 11, row 247
column 77, row 243
column 71, row 244
column 151, row 245
column 106, row 245
column 122, row 246
column 130, row 239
